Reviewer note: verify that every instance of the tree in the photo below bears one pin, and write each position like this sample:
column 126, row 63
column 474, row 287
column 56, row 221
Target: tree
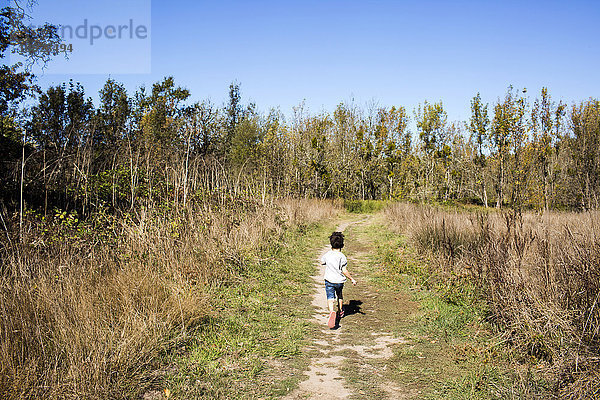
column 35, row 45
column 393, row 138
column 60, row 126
column 364, row 144
column 522, row 165
column 205, row 126
column 502, row 136
column 546, row 121
column 59, row 118
column 159, row 120
column 479, row 128
column 431, row 124
column 274, row 160
column 319, row 127
column 585, row 148
column 233, row 115
column 112, row 115
column 163, row 111
column 344, row 154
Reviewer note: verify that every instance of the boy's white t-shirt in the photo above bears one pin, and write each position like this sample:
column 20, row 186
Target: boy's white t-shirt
column 335, row 262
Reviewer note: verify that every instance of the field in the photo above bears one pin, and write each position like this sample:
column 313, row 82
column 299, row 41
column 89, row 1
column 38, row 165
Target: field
column 535, row 276
column 213, row 302
column 91, row 309
column 161, row 225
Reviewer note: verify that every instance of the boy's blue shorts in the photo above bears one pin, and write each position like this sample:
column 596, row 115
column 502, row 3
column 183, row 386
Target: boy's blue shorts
column 333, row 290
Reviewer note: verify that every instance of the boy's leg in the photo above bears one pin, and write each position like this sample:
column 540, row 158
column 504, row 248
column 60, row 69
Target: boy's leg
column 332, row 315
column 340, row 299
column 330, row 305
column 330, row 291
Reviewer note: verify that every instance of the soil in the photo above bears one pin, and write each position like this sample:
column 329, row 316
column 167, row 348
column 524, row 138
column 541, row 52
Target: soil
column 344, row 345
column 377, row 351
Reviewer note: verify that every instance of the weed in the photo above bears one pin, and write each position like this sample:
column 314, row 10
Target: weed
column 101, row 308
column 538, row 276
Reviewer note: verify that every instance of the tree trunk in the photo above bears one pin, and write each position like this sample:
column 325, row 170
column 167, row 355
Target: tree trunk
column 485, row 198
column 500, row 199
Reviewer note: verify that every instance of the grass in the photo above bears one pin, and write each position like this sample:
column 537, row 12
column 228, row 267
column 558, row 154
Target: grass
column 102, row 308
column 216, row 304
column 449, row 353
column 425, row 331
column 523, row 273
column 364, row 206
column 252, row 347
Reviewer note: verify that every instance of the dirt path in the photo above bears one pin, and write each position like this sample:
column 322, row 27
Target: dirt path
column 351, row 360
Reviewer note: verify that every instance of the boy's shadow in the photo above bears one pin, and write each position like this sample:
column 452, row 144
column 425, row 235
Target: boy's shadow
column 353, row 307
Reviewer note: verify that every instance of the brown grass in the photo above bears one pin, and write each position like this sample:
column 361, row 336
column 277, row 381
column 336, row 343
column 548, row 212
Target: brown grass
column 87, row 308
column 540, row 277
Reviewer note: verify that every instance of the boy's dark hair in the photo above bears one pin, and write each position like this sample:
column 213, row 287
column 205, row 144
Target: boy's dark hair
column 337, row 240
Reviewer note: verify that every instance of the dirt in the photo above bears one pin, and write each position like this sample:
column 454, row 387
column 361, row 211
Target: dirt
column 381, row 349
column 337, row 349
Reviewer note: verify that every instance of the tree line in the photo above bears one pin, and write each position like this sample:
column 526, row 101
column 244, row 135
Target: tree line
column 155, row 146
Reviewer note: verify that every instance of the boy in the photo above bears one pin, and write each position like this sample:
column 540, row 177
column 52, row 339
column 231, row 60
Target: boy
column 335, row 275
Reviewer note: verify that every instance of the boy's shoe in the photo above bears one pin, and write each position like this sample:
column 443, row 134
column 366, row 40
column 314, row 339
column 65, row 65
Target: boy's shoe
column 341, row 314
column 331, row 321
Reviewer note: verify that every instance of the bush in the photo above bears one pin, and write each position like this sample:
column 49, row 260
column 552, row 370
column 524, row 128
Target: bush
column 364, row 206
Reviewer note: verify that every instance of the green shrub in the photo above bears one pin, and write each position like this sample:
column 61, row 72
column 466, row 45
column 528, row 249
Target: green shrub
column 364, row 206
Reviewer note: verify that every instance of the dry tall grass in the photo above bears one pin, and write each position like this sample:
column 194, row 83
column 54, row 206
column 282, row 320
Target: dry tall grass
column 87, row 308
column 540, row 275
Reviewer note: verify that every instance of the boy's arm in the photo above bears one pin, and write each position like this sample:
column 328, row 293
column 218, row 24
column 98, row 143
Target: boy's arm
column 347, row 274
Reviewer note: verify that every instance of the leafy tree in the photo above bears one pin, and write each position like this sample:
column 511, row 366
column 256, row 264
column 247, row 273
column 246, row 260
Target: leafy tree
column 479, row 129
column 233, row 115
column 112, row 115
column 522, row 165
column 318, row 128
column 60, row 125
column 163, row 111
column 35, row 45
column 342, row 161
column 60, row 117
column 509, row 137
column 272, row 153
column 364, row 144
column 431, row 124
column 245, row 141
column 502, row 136
column 546, row 121
column 585, row 148
column 204, row 121
column 394, row 141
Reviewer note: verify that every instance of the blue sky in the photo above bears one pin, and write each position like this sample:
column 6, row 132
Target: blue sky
column 325, row 52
